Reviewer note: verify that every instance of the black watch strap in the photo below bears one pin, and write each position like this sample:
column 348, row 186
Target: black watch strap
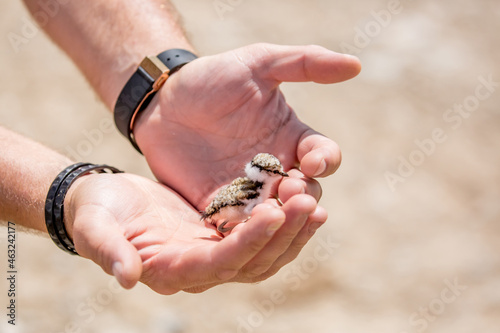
column 54, row 203
column 176, row 58
column 143, row 85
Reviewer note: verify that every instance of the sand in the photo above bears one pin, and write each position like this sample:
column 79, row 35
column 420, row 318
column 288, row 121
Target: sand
column 413, row 238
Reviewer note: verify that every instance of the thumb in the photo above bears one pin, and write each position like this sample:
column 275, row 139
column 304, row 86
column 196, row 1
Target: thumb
column 98, row 237
column 302, row 64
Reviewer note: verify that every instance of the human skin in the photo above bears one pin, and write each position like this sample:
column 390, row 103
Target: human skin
column 217, row 112
column 205, row 123
column 138, row 229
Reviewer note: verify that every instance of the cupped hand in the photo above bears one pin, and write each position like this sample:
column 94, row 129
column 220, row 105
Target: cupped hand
column 140, row 230
column 217, row 112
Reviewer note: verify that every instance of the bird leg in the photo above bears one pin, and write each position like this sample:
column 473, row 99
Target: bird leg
column 221, row 226
column 221, row 229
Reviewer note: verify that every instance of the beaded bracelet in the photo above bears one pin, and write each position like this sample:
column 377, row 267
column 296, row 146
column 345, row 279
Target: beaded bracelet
column 54, row 203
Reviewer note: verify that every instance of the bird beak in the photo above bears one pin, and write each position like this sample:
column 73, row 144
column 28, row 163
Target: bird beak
column 284, row 174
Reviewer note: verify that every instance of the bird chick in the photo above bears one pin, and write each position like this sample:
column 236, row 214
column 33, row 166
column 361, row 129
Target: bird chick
column 234, row 202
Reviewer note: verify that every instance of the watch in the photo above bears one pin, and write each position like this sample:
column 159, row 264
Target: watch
column 143, row 85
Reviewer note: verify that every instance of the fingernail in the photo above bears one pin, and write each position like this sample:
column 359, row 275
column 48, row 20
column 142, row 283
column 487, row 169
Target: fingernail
column 321, row 168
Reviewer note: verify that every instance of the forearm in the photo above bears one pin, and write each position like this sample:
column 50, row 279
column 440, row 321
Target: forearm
column 107, row 39
column 27, row 169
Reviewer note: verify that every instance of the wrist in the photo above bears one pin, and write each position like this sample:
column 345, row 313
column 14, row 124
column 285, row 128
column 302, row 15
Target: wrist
column 71, row 203
column 56, row 199
column 145, row 128
column 124, row 64
column 143, row 85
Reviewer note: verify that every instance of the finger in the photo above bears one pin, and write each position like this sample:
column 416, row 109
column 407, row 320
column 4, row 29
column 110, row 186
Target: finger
column 200, row 289
column 297, row 183
column 205, row 267
column 318, row 155
column 297, row 211
column 98, row 237
column 314, row 222
column 246, row 241
column 279, row 63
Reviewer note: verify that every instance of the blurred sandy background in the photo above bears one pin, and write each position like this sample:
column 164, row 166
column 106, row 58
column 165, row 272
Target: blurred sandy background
column 420, row 255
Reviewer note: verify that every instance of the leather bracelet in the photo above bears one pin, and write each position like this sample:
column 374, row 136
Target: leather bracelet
column 54, row 203
column 143, row 85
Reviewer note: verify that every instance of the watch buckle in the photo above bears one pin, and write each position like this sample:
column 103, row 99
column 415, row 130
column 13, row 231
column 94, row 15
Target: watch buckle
column 155, row 68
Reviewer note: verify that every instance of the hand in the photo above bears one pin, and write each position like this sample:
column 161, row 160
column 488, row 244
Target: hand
column 217, row 112
column 137, row 229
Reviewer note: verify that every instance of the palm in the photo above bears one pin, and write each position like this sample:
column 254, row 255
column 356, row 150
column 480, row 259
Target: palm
column 215, row 114
column 156, row 221
column 159, row 238
column 209, row 120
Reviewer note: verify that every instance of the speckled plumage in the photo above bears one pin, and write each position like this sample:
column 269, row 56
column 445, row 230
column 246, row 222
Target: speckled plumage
column 234, row 202
column 267, row 162
column 234, row 194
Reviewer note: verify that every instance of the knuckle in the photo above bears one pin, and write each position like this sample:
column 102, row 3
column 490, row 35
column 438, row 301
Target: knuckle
column 255, row 246
column 254, row 271
column 300, row 241
column 197, row 289
column 264, row 275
